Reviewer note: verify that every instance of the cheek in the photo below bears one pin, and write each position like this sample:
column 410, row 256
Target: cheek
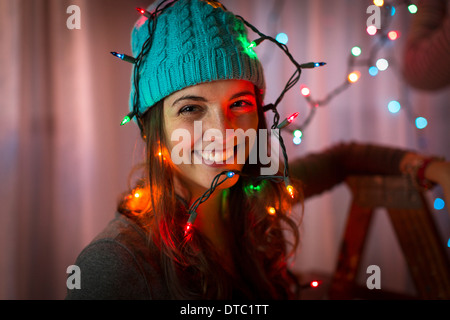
column 247, row 121
column 179, row 143
column 177, row 137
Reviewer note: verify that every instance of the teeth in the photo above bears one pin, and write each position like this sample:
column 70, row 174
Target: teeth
column 230, row 153
column 217, row 156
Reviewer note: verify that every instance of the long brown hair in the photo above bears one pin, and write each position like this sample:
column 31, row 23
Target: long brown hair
column 192, row 269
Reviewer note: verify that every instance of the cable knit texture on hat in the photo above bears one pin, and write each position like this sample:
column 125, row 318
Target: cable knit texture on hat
column 194, row 42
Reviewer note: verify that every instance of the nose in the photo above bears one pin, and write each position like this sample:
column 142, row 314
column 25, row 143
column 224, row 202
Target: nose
column 215, row 125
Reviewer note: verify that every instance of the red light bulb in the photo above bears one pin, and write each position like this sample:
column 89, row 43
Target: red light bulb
column 371, row 30
column 187, row 228
column 393, row 35
column 287, row 121
column 291, row 118
column 305, row 91
column 314, row 284
column 144, row 12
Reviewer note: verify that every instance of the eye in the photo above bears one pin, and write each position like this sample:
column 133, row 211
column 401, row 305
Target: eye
column 188, row 109
column 242, row 104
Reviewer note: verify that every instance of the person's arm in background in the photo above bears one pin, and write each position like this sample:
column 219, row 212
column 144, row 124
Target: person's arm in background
column 426, row 63
column 321, row 171
column 324, row 170
column 428, row 169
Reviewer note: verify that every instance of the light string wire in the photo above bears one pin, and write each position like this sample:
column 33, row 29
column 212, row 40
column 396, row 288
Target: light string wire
column 381, row 40
column 293, row 80
column 151, row 25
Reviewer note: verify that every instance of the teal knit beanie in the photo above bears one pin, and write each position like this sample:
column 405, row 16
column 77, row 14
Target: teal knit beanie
column 195, row 41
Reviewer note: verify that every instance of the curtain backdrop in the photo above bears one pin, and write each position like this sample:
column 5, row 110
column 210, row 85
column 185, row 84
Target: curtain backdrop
column 65, row 159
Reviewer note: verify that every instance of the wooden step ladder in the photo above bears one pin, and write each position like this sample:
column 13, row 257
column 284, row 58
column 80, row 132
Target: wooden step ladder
column 424, row 252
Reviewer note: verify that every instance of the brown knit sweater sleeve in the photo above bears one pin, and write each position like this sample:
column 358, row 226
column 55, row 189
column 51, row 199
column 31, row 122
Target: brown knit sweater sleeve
column 426, row 63
column 322, row 171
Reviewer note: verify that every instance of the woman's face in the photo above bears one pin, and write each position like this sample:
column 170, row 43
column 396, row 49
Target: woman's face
column 199, row 123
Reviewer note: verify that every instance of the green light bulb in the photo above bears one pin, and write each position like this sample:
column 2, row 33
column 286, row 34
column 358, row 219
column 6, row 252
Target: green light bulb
column 412, row 8
column 298, row 133
column 125, row 120
column 248, row 47
column 356, row 51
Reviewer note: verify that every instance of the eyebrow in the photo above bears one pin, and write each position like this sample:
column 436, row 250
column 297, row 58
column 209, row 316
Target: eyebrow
column 202, row 99
column 243, row 93
column 189, row 97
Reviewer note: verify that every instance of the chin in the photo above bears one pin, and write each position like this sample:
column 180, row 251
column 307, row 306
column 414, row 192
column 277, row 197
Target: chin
column 204, row 175
column 200, row 177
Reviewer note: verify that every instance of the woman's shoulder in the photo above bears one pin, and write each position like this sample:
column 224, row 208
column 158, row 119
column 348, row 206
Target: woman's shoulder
column 122, row 230
column 120, row 263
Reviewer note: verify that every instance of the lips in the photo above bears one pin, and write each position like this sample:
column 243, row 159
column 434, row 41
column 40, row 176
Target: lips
column 216, row 156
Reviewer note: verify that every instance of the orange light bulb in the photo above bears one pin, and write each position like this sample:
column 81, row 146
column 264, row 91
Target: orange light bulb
column 290, row 189
column 271, row 211
column 354, row 77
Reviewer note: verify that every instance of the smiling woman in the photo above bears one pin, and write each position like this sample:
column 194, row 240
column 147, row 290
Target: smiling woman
column 222, row 222
column 220, row 131
column 235, row 248
column 220, row 107
column 194, row 65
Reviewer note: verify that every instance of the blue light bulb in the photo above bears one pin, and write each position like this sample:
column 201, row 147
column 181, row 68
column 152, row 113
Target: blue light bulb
column 421, row 122
column 282, row 38
column 124, row 57
column 297, row 140
column 439, row 204
column 373, row 71
column 394, row 106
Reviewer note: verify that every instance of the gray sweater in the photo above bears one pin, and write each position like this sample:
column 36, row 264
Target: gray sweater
column 119, row 264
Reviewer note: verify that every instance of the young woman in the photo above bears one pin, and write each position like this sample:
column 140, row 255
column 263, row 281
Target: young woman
column 199, row 70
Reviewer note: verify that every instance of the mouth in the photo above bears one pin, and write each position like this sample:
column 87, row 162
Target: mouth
column 216, row 157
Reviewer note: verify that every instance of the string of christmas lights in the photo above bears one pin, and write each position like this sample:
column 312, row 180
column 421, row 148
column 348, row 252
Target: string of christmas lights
column 281, row 42
column 373, row 66
column 273, row 107
column 356, row 63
